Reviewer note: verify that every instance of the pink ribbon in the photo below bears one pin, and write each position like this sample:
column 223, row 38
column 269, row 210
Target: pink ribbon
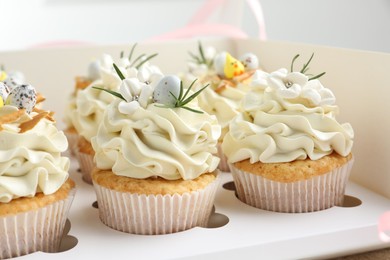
column 384, row 227
column 197, row 25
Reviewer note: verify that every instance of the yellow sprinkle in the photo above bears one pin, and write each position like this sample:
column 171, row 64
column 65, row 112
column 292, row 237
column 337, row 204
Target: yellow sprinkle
column 3, row 75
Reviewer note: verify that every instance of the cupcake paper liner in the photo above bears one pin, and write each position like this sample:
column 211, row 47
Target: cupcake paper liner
column 155, row 214
column 223, row 163
column 72, row 141
column 86, row 164
column 31, row 231
column 318, row 193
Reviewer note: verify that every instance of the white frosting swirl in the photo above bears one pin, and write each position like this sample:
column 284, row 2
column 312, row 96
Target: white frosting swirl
column 31, row 162
column 291, row 119
column 91, row 103
column 169, row 143
column 224, row 103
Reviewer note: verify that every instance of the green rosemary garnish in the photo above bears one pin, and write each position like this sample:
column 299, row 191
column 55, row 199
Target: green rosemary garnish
column 305, row 67
column 182, row 100
column 200, row 58
column 116, row 94
column 132, row 51
column 139, row 61
column 118, row 72
column 145, row 60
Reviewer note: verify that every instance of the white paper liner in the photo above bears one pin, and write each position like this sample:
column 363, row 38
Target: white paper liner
column 73, row 138
column 223, row 163
column 86, row 164
column 31, row 231
column 155, row 214
column 318, row 193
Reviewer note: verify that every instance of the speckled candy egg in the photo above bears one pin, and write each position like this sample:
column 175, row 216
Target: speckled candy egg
column 4, row 91
column 14, row 79
column 162, row 91
column 23, row 96
column 250, row 61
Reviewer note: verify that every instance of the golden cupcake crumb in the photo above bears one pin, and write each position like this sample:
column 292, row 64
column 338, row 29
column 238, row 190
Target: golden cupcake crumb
column 71, row 130
column 155, row 186
column 38, row 201
column 85, row 146
column 82, row 83
column 296, row 170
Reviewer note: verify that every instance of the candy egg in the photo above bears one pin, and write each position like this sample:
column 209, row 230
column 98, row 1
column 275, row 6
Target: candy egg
column 250, row 61
column 17, row 75
column 219, row 63
column 228, row 66
column 4, row 91
column 164, row 88
column 23, row 96
column 12, row 81
column 1, row 102
column 94, row 70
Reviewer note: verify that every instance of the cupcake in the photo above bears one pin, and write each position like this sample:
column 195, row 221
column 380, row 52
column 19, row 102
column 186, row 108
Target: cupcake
column 154, row 151
column 80, row 84
column 89, row 104
column 229, row 78
column 35, row 189
column 286, row 151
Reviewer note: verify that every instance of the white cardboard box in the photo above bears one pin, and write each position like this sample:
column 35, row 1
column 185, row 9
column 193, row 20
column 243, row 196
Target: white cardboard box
column 359, row 81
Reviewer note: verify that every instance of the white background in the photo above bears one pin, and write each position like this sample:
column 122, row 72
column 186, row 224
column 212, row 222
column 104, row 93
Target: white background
column 357, row 24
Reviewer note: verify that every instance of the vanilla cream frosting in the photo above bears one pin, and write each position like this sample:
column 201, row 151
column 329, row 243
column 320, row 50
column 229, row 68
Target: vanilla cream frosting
column 104, row 63
column 31, row 161
column 91, row 103
column 171, row 143
column 224, row 103
column 100, row 73
column 293, row 118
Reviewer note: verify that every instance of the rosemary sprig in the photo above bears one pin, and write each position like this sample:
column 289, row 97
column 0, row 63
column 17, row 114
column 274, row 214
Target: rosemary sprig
column 139, row 61
column 118, row 72
column 292, row 62
column 182, row 100
column 116, row 94
column 317, row 76
column 305, row 67
column 136, row 59
column 145, row 60
column 201, row 58
column 132, row 51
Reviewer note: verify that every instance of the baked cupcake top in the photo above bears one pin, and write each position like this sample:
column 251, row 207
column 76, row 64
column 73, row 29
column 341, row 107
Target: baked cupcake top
column 87, row 108
column 156, row 130
column 289, row 116
column 229, row 80
column 31, row 146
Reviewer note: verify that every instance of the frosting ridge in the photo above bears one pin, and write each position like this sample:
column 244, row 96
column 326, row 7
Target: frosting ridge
column 170, row 143
column 31, row 161
column 293, row 118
